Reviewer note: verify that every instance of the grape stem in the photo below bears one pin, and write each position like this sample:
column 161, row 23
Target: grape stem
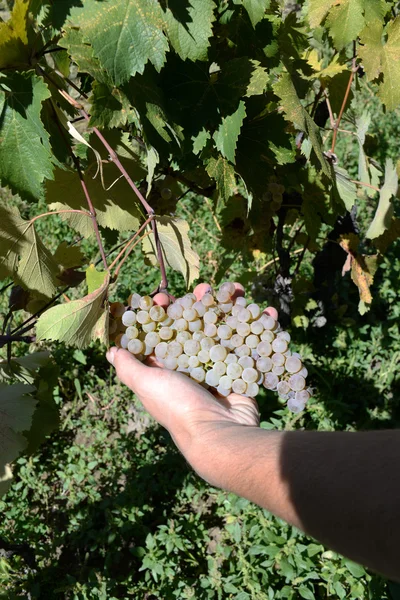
column 117, row 270
column 116, row 259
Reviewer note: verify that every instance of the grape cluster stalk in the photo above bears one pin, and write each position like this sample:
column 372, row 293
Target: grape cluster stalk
column 221, row 341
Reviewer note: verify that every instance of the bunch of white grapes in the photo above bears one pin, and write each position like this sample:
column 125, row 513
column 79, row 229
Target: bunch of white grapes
column 220, row 341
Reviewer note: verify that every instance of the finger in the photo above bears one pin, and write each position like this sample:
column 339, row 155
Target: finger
column 201, row 289
column 272, row 312
column 129, row 369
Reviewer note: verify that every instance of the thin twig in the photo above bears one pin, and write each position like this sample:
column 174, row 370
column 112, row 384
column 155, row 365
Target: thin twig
column 6, row 339
column 368, row 185
column 354, row 70
column 126, row 244
column 274, row 260
column 303, row 251
column 58, row 212
column 328, row 104
column 117, row 270
column 218, row 226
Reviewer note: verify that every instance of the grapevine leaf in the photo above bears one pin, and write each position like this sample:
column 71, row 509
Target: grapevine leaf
column 223, row 173
column 116, row 207
column 177, row 249
column 152, row 159
column 227, row 135
column 16, row 411
column 109, row 107
column 82, row 55
column 384, row 213
column 68, row 256
column 388, row 236
column 258, row 80
column 363, row 268
column 23, row 368
column 200, row 141
column 255, row 9
column 94, row 278
column 25, row 153
column 362, row 124
column 370, row 49
column 24, row 256
column 345, row 21
column 77, row 322
column 14, row 50
column 334, row 67
column 124, row 35
column 346, row 189
column 317, row 11
column 189, row 28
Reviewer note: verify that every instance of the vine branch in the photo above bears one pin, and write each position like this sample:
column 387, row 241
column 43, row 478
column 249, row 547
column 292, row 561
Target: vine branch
column 354, row 69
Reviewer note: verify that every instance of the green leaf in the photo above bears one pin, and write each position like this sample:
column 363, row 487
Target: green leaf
column 125, row 35
column 227, row 135
column 25, row 153
column 68, row 256
column 46, row 416
column 77, row 322
column 176, row 246
column 223, row 173
column 189, row 27
column 16, row 409
column 24, row 256
column 14, row 50
column 258, row 80
column 94, row 278
column 255, row 9
column 355, row 569
column 389, row 236
column 317, row 11
column 345, row 21
column 346, row 189
column 109, row 107
column 200, row 141
column 362, row 124
column 82, row 55
column 384, row 212
column 306, row 593
column 370, row 49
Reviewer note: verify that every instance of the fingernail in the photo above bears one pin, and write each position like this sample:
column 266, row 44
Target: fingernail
column 110, row 355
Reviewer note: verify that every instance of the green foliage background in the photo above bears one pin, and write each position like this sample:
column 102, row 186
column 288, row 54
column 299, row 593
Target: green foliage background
column 219, row 113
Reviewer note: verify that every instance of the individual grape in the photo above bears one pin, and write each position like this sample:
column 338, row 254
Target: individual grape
column 255, row 310
column 194, row 362
column 303, row 372
column 239, row 386
column 132, row 332
column 162, row 299
column 242, row 350
column 272, row 312
column 183, row 361
column 117, row 340
column 148, row 350
column 195, row 326
column 152, row 339
column 145, row 302
column 167, row 322
column 192, row 347
column 267, row 336
column 175, row 311
column 226, row 307
column 198, row 374
column 256, row 327
column 302, row 396
column 241, row 301
column 204, row 356
column 161, row 350
column 235, row 310
column 129, row 318
column 219, row 368
column 224, row 332
column 147, row 327
column 260, row 379
column 183, row 336
column 279, row 345
column 278, row 359
column 124, row 341
column 237, row 340
column 250, row 375
column 231, row 322
column 166, row 193
column 212, row 378
column 283, row 388
column 246, row 362
column 190, row 314
column 170, row 362
column 134, row 301
column 293, row 364
column 296, row 354
column 223, row 296
column 268, row 322
column 284, row 335
column 228, row 287
column 223, row 391
column 244, row 315
column 187, row 301
column 135, row 346
column 295, row 406
column 226, row 382
column 143, row 317
column 234, row 371
column 210, row 317
column 157, row 313
column 226, row 344
column 239, row 290
column 254, row 354
column 207, row 343
column 252, row 341
column 297, row 383
column 278, row 370
column 175, row 349
column 231, row 358
column 264, row 349
column 166, row 333
column 218, row 353
column 181, row 324
column 210, row 330
column 208, row 300
column 201, row 289
column 198, row 335
column 252, row 390
column 113, row 326
column 270, row 381
column 243, row 329
column 264, row 364
column 117, row 309
column 199, row 308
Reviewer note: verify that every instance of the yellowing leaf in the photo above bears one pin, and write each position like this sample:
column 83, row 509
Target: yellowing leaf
column 78, row 322
column 363, row 268
column 14, row 37
column 176, row 246
column 223, row 173
column 94, row 278
column 345, row 21
column 330, row 71
column 317, row 11
column 384, row 213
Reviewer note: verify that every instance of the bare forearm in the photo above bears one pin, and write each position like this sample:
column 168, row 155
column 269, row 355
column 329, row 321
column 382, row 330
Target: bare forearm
column 341, row 488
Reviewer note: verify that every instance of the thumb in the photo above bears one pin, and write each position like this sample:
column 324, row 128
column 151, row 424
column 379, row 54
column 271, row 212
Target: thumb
column 130, row 370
